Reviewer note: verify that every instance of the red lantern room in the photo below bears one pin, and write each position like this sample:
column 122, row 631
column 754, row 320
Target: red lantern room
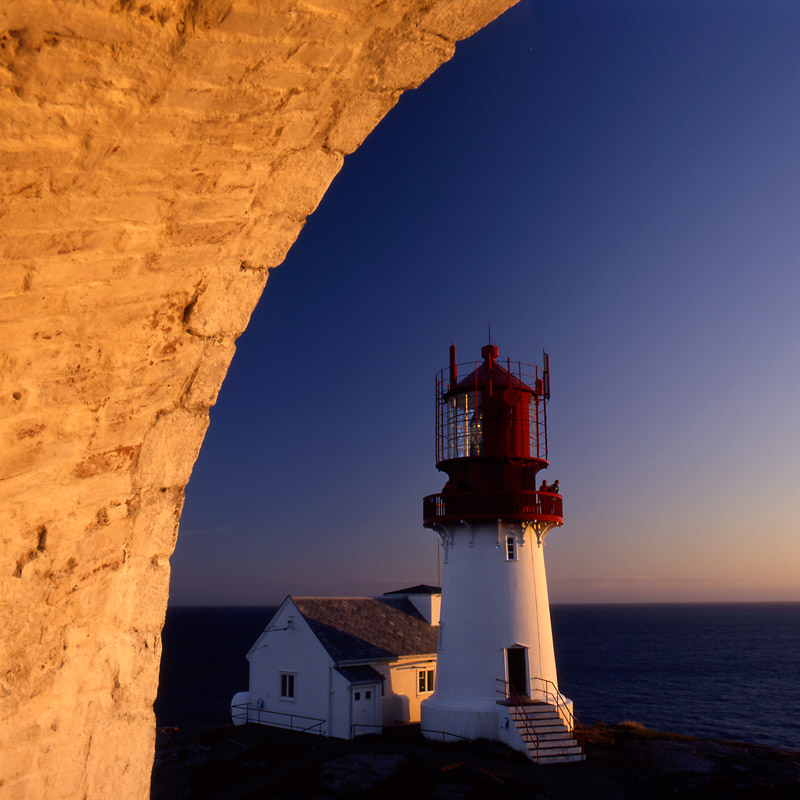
column 491, row 440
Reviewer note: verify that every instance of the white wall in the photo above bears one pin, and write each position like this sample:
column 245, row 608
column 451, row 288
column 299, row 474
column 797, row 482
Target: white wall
column 320, row 691
column 296, row 650
column 340, row 706
column 488, row 604
column 429, row 605
column 401, row 678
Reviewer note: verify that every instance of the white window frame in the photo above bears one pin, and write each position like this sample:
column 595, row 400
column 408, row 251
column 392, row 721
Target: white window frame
column 511, row 548
column 288, row 685
column 426, row 677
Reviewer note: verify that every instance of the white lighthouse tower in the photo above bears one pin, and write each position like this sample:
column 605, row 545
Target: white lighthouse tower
column 496, row 672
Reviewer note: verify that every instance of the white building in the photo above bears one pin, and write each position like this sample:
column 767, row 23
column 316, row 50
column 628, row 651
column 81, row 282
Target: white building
column 344, row 666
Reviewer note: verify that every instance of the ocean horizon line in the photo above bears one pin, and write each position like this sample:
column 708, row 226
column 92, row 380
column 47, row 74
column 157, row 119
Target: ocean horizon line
column 582, row 604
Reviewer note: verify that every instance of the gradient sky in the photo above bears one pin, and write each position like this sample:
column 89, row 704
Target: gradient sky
column 615, row 181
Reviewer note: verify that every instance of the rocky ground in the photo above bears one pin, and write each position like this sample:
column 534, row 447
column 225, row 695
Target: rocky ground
column 623, row 761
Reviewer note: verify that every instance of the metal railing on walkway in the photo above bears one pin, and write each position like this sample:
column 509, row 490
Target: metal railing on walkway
column 443, row 734
column 245, row 712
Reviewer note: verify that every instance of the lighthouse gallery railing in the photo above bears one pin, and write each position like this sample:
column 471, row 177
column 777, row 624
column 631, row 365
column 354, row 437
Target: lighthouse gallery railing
column 520, row 505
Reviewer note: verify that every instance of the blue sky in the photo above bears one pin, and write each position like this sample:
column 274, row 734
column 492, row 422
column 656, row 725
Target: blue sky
column 616, row 182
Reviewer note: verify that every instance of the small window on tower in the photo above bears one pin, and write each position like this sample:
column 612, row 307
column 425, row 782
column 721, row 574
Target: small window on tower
column 358, row 696
column 511, row 549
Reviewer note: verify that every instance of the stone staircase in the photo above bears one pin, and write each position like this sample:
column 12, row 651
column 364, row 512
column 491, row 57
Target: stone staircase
column 548, row 739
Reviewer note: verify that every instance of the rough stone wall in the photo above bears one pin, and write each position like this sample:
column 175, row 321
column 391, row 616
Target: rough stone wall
column 158, row 157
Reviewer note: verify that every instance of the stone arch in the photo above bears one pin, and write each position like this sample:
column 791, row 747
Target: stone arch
column 159, row 158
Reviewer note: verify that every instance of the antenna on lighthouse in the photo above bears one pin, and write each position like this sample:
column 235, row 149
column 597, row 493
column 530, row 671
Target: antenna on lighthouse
column 546, row 375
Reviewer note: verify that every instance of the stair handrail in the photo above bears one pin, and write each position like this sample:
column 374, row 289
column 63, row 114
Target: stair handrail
column 559, row 701
column 510, row 692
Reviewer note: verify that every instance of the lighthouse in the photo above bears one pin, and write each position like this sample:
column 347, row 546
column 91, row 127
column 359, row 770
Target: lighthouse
column 496, row 671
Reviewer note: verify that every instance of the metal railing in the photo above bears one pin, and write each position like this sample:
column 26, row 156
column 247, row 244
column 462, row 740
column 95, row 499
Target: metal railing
column 520, row 505
column 262, row 716
column 382, row 729
column 510, row 693
column 554, row 696
column 459, row 415
column 445, row 733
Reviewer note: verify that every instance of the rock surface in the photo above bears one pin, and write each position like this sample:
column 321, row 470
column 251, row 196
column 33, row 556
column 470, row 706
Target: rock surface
column 157, row 158
column 622, row 763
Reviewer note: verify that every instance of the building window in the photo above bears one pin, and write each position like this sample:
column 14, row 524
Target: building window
column 287, row 685
column 367, row 695
column 357, row 696
column 511, row 549
column 425, row 680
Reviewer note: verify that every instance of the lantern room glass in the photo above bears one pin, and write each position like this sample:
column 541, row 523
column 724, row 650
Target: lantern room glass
column 464, row 427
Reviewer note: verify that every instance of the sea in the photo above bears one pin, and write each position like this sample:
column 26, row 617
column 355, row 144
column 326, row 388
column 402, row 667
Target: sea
column 717, row 670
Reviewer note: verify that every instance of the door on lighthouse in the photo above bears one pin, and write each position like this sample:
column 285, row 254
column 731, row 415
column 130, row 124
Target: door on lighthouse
column 365, row 703
column 517, row 670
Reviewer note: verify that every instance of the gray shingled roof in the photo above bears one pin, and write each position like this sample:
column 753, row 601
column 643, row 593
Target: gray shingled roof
column 361, row 674
column 420, row 588
column 369, row 629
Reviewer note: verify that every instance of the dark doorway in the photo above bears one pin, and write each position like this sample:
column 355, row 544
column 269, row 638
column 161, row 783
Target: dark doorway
column 516, row 661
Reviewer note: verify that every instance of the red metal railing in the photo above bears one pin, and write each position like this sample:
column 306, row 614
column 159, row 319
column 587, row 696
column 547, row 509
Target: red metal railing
column 555, row 698
column 552, row 697
column 521, row 506
column 513, row 699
